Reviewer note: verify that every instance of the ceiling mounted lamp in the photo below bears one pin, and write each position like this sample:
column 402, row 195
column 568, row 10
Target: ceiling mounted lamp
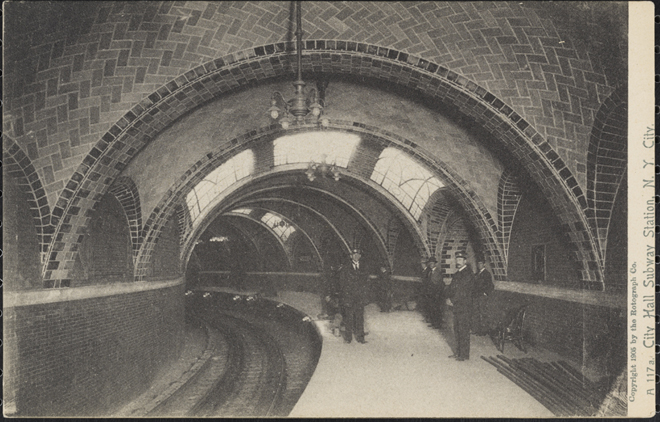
column 322, row 169
column 303, row 103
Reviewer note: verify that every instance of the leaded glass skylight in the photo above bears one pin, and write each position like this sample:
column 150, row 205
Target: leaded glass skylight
column 334, row 147
column 276, row 223
column 411, row 183
column 231, row 171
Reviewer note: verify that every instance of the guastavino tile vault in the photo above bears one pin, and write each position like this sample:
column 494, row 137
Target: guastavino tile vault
column 141, row 163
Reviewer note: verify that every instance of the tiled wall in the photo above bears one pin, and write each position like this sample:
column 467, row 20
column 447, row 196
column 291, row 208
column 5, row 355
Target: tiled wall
column 69, row 89
column 534, row 225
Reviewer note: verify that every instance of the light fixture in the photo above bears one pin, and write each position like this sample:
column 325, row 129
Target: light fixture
column 302, row 104
column 322, row 169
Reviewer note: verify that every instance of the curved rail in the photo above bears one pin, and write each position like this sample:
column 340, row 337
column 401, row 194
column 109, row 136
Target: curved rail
column 256, row 375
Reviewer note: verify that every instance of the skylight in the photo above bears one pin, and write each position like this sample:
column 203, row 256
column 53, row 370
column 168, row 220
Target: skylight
column 406, row 179
column 334, row 147
column 231, row 171
column 278, row 225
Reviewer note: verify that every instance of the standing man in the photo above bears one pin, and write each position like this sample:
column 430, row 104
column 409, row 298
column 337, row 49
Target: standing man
column 353, row 280
column 425, row 291
column 483, row 287
column 384, row 290
column 435, row 296
column 460, row 296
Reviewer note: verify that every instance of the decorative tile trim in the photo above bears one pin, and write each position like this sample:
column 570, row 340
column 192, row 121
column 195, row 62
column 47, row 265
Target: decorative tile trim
column 478, row 214
column 236, row 70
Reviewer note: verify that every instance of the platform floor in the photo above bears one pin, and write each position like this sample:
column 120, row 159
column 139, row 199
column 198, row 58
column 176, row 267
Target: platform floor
column 404, row 371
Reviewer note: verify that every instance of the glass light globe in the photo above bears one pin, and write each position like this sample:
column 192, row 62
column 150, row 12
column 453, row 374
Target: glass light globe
column 325, row 122
column 274, row 114
column 285, row 124
column 316, row 111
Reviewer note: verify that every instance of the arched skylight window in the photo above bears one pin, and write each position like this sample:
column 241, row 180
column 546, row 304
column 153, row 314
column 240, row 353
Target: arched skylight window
column 278, row 225
column 406, row 179
column 335, row 147
column 231, row 171
column 245, row 211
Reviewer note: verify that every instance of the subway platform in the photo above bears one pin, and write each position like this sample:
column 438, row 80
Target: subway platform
column 402, row 371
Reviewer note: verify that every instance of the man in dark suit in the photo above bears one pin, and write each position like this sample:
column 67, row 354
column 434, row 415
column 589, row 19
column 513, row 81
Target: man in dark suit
column 353, row 280
column 483, row 287
column 460, row 293
column 435, row 294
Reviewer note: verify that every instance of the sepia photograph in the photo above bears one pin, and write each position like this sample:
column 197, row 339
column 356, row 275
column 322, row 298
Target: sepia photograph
column 307, row 209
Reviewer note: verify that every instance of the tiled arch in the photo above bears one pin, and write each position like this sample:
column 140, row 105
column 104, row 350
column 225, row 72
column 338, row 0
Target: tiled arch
column 239, row 70
column 237, row 198
column 252, row 238
column 18, row 165
column 437, row 216
column 483, row 222
column 127, row 194
column 606, row 162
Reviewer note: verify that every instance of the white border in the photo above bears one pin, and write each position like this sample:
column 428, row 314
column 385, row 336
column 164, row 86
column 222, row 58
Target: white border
column 641, row 204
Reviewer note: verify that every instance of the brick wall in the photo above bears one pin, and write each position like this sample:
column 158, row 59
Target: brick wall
column 535, row 225
column 407, row 257
column 106, row 251
column 166, row 259
column 89, row 357
column 591, row 335
column 20, row 253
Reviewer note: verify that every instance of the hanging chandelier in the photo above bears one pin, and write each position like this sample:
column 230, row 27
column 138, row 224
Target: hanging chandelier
column 303, row 103
column 322, row 169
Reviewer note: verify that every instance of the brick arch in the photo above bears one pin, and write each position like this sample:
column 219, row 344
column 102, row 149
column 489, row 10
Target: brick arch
column 301, row 230
column 470, row 202
column 508, row 198
column 253, row 241
column 606, row 162
column 455, row 238
column 185, row 222
column 127, row 194
column 239, row 70
column 18, row 165
column 186, row 251
column 438, row 211
column 325, row 221
column 232, row 201
column 393, row 229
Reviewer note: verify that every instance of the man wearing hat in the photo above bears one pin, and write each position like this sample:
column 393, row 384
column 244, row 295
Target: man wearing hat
column 353, row 280
column 460, row 296
column 483, row 288
column 433, row 294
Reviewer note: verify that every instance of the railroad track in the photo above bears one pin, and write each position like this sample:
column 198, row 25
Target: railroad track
column 259, row 358
column 256, row 373
column 298, row 344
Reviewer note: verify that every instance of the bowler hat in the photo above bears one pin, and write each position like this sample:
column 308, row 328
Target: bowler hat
column 461, row 254
column 432, row 259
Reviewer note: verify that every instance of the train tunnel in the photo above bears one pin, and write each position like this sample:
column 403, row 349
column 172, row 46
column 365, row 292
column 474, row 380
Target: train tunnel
column 143, row 175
